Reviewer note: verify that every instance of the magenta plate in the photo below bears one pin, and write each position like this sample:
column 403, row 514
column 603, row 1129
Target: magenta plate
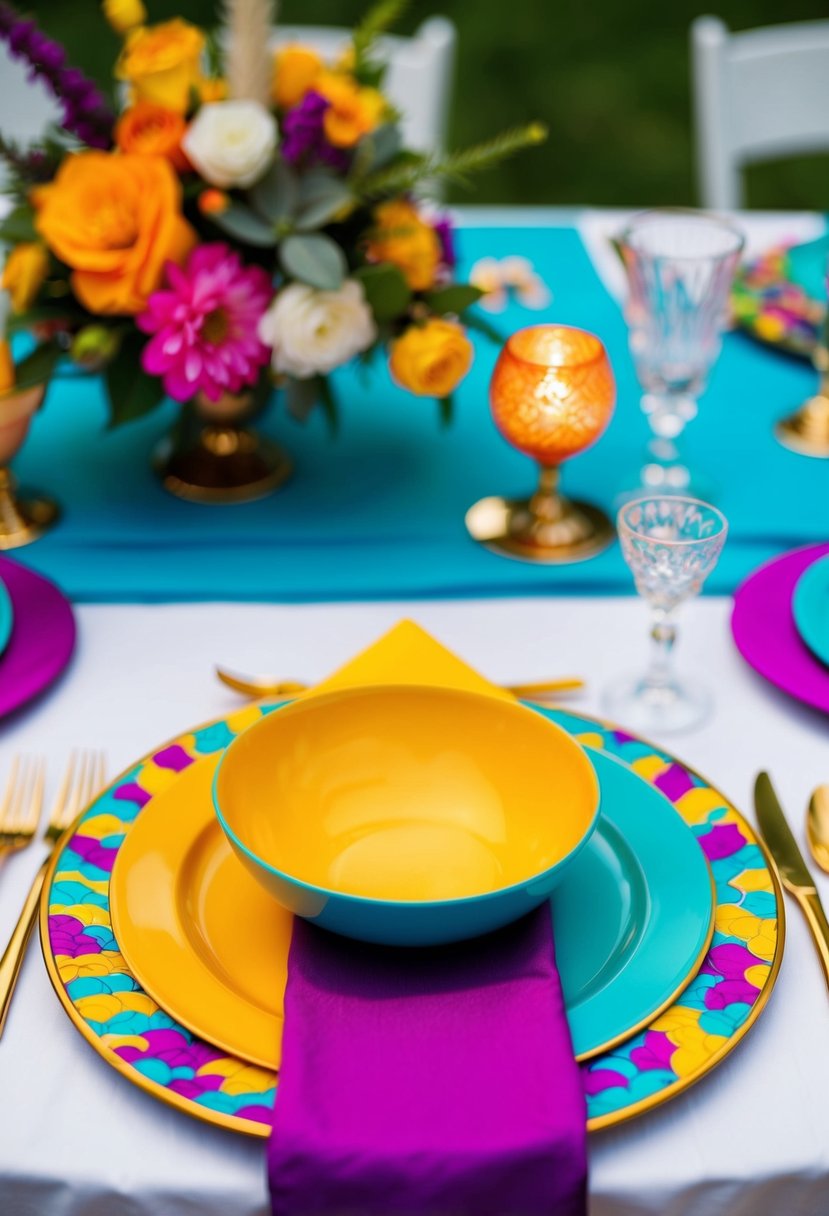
column 42, row 638
column 765, row 632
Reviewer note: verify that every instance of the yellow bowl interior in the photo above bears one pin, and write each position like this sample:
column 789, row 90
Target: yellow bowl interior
column 407, row 793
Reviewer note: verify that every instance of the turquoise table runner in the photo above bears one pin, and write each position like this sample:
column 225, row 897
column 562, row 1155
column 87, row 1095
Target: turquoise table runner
column 377, row 511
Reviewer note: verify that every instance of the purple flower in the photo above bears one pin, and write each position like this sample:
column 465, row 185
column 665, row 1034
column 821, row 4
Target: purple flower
column 86, row 113
column 303, row 137
column 446, row 235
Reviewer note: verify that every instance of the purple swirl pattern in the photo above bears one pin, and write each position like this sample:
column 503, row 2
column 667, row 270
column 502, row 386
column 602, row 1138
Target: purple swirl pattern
column 126, row 1026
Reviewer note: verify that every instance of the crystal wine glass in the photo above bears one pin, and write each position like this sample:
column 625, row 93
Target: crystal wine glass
column 671, row 545
column 680, row 266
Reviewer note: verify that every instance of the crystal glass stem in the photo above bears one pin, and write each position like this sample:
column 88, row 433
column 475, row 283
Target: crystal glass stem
column 660, row 673
column 667, row 414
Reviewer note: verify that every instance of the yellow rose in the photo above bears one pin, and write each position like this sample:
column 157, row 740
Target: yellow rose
column 124, row 15
column 115, row 219
column 431, row 360
column 352, row 111
column 26, row 267
column 162, row 63
column 295, row 70
column 401, row 237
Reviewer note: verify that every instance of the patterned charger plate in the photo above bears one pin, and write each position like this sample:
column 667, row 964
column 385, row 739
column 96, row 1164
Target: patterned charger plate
column 770, row 305
column 140, row 1040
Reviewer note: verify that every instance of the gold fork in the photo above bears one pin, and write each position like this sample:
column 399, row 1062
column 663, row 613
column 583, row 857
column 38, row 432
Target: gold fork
column 271, row 686
column 84, row 777
column 22, row 803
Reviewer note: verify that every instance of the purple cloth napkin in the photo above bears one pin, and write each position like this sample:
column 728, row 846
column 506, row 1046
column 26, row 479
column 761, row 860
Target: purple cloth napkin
column 427, row 1082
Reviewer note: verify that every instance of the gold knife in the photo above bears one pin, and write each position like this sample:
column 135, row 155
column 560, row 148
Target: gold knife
column 791, row 867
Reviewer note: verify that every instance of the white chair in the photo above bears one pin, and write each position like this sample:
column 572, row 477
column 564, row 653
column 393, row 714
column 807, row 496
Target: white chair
column 419, row 77
column 419, row 81
column 26, row 108
column 758, row 96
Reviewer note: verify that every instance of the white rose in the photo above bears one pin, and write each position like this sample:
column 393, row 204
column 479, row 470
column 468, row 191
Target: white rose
column 231, row 143
column 312, row 331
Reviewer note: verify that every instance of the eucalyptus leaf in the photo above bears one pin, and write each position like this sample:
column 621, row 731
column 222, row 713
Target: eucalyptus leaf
column 261, row 392
column 275, row 197
column 321, row 197
column 387, row 292
column 455, row 298
column 63, row 312
column 131, row 391
column 329, row 404
column 37, row 368
column 382, row 145
column 301, row 396
column 314, row 259
column 245, row 225
column 474, row 320
column 18, row 225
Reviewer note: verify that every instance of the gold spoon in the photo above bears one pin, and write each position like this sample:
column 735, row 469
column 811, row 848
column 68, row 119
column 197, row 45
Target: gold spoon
column 817, row 826
column 270, row 686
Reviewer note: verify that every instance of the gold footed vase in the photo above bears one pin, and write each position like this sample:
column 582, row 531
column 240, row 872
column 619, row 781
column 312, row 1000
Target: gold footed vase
column 212, row 455
column 807, row 430
column 544, row 528
column 23, row 518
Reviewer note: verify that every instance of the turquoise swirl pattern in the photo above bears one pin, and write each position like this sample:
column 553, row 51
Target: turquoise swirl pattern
column 127, row 1027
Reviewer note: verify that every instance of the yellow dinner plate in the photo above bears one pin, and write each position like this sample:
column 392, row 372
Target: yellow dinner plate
column 216, row 961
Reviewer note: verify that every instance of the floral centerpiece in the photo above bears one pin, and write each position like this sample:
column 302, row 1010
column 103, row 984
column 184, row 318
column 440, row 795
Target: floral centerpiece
column 249, row 218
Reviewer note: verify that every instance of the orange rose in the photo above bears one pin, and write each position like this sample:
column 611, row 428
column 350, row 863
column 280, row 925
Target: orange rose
column 352, row 112
column 163, row 63
column 212, row 89
column 295, row 70
column 26, row 268
column 151, row 130
column 431, row 360
column 115, row 219
column 408, row 242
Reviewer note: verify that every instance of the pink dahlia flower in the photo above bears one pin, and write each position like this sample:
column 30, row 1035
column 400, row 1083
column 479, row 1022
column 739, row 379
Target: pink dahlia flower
column 204, row 327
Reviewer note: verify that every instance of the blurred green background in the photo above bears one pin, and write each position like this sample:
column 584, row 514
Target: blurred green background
column 611, row 80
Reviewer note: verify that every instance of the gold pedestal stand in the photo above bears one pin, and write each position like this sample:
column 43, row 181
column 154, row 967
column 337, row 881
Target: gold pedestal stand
column 211, row 457
column 24, row 519
column 807, row 430
column 546, row 528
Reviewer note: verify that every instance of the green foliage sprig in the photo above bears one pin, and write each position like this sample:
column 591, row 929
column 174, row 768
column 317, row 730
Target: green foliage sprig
column 452, row 166
column 380, row 18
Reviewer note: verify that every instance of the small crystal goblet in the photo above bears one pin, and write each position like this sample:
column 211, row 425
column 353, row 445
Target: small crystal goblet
column 671, row 545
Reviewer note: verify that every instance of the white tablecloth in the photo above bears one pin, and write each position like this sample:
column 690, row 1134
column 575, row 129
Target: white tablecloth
column 76, row 1139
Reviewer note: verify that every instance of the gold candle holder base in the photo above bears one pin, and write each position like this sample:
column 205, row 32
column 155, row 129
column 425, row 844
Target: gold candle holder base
column 546, row 528
column 211, row 458
column 23, row 520
column 807, row 430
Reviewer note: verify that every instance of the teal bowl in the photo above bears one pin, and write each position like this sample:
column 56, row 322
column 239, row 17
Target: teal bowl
column 406, row 816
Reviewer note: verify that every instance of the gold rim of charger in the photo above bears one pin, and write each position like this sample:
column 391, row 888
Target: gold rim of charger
column 260, row 1130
